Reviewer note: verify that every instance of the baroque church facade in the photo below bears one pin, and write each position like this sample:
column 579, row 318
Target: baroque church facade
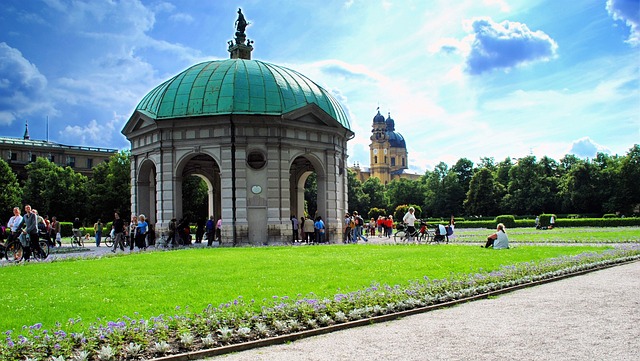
column 388, row 156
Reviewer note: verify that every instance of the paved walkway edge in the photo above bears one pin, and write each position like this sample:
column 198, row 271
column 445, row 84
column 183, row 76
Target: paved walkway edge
column 197, row 355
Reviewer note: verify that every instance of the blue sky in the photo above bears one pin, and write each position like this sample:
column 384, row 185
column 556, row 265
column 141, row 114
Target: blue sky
column 492, row 78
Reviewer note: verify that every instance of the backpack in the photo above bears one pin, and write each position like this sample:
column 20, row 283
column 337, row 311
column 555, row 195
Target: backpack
column 352, row 224
column 359, row 221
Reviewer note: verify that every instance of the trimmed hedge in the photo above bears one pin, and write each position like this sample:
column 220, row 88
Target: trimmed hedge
column 560, row 222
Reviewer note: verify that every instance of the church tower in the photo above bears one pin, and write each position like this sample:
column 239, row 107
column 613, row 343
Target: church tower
column 387, row 151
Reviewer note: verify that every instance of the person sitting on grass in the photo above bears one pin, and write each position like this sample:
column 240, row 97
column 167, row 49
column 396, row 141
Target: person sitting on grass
column 498, row 240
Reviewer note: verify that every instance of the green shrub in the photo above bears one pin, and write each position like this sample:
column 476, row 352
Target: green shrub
column 402, row 209
column 610, row 215
column 376, row 212
column 509, row 221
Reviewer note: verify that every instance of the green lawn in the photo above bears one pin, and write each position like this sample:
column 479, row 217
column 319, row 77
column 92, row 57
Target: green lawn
column 557, row 235
column 154, row 283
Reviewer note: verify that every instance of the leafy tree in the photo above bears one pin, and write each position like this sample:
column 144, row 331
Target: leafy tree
column 110, row 188
column 528, row 188
column 375, row 189
column 54, row 190
column 12, row 193
column 404, row 191
column 630, row 175
column 311, row 194
column 464, row 170
column 358, row 199
column 578, row 190
column 483, row 197
column 195, row 198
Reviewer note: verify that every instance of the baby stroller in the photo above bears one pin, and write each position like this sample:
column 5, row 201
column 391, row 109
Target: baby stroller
column 442, row 234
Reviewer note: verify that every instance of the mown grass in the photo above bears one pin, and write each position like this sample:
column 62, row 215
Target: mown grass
column 153, row 283
column 557, row 235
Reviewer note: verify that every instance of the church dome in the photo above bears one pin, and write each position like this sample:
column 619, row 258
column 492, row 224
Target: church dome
column 379, row 118
column 396, row 140
column 237, row 86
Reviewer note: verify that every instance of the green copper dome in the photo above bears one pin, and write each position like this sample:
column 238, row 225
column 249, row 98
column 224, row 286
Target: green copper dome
column 237, row 86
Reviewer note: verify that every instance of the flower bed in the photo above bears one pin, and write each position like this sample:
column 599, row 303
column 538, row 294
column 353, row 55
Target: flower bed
column 235, row 322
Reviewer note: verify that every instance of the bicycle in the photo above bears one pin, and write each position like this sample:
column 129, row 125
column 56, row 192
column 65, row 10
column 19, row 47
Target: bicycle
column 12, row 251
column 77, row 239
column 44, row 247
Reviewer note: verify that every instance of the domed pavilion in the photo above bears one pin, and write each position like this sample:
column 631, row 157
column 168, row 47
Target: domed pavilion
column 254, row 132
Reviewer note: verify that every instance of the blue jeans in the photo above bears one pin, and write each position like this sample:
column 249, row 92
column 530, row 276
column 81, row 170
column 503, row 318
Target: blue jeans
column 98, row 238
column 358, row 233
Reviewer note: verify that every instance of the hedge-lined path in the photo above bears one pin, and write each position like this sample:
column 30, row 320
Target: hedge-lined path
column 595, row 316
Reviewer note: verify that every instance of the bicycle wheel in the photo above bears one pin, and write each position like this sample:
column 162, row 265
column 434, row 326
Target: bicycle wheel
column 108, row 241
column 14, row 252
column 44, row 246
column 399, row 235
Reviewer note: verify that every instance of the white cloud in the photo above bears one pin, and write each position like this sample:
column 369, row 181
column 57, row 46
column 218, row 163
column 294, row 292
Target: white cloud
column 505, row 45
column 22, row 87
column 629, row 12
column 181, row 18
column 585, row 147
column 93, row 133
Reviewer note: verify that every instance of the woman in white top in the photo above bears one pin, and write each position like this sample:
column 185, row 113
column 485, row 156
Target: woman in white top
column 410, row 220
column 498, row 240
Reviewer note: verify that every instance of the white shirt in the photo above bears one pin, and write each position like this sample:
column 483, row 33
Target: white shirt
column 14, row 222
column 409, row 219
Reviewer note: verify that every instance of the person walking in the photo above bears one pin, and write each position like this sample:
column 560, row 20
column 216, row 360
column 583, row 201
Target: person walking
column 200, row 230
column 118, row 233
column 13, row 223
column 30, row 224
column 359, row 224
column 295, row 224
column 409, row 220
column 219, row 230
column 309, row 230
column 132, row 231
column 97, row 228
column 55, row 231
column 210, row 228
column 141, row 232
column 173, row 225
column 320, row 230
column 347, row 228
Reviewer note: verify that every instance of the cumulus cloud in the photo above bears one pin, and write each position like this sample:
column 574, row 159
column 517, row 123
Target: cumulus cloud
column 94, row 132
column 587, row 148
column 181, row 18
column 627, row 11
column 505, row 45
column 22, row 87
column 346, row 70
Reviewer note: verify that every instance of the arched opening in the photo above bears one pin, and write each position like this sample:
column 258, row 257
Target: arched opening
column 308, row 196
column 146, row 190
column 197, row 189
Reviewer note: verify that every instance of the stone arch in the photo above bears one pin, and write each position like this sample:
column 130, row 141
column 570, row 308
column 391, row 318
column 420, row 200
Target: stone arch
column 300, row 168
column 205, row 167
column 146, row 190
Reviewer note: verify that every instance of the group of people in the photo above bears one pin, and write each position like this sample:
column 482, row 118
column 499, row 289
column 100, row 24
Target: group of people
column 306, row 230
column 30, row 227
column 353, row 228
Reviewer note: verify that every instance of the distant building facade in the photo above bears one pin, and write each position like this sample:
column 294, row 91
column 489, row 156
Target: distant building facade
column 388, row 156
column 19, row 152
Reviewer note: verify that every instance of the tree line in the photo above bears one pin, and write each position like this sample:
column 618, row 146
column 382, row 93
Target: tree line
column 525, row 186
column 60, row 191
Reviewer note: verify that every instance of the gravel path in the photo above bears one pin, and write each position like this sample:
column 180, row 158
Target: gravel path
column 590, row 317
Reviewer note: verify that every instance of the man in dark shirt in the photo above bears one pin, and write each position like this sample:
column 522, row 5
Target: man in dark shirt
column 118, row 233
column 30, row 223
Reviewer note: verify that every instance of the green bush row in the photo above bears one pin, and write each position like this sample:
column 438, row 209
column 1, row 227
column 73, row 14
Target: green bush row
column 560, row 222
